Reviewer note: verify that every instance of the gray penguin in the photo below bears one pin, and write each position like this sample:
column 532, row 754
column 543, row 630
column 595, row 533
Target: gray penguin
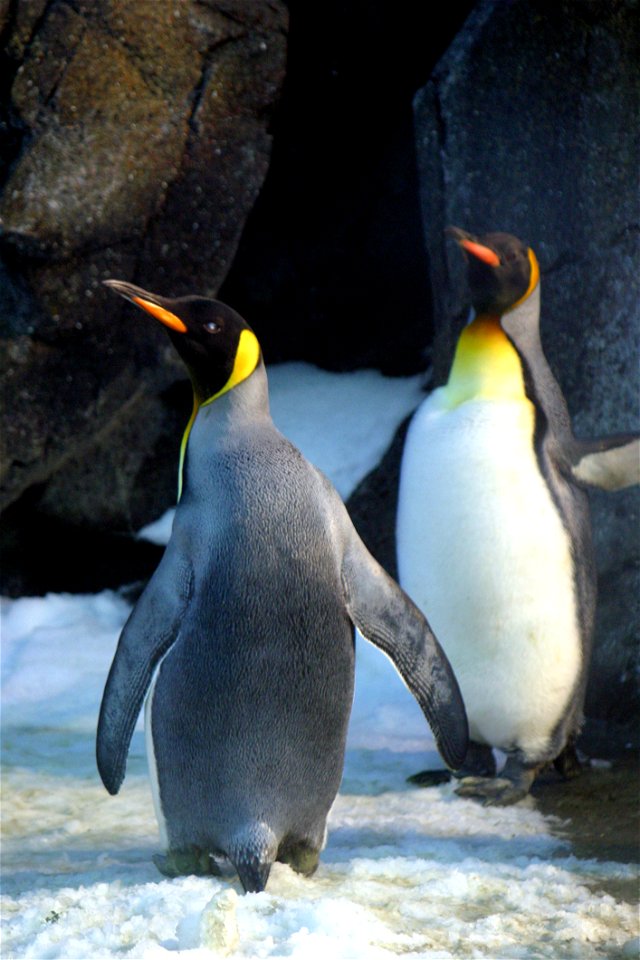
column 243, row 639
column 493, row 529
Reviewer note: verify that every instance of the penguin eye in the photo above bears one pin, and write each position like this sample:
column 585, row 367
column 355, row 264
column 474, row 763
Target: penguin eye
column 212, row 327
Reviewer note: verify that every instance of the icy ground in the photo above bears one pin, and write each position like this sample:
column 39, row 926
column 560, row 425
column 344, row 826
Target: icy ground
column 408, row 872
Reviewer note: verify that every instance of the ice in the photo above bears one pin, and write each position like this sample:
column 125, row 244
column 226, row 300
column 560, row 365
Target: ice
column 406, row 872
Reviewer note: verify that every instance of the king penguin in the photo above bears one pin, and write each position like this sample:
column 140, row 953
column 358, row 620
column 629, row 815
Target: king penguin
column 243, row 640
column 493, row 529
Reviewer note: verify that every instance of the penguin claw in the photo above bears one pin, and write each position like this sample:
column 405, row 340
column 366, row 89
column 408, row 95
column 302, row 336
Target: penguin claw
column 182, row 863
column 430, row 778
column 492, row 791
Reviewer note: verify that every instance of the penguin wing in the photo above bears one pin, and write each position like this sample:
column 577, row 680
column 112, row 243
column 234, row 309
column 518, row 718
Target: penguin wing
column 149, row 632
column 611, row 463
column 385, row 615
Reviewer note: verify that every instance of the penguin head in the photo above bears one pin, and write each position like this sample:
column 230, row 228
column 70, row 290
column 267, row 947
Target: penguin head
column 218, row 347
column 502, row 270
column 504, row 285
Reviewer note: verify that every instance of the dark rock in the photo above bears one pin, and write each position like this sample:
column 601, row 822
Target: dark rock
column 525, row 127
column 137, row 138
column 40, row 554
column 332, row 267
column 134, row 140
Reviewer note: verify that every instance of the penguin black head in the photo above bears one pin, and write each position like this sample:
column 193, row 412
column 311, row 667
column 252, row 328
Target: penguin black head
column 502, row 270
column 218, row 347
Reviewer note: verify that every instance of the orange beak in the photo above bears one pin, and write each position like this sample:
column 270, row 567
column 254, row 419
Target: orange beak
column 146, row 301
column 482, row 253
column 164, row 316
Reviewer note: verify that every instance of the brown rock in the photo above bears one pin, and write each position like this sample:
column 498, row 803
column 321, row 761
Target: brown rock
column 140, row 141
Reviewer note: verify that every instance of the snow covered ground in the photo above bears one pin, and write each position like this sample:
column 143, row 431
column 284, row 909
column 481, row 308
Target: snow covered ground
column 410, row 872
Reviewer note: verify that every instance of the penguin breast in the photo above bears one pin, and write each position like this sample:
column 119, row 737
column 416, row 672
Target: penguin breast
column 483, row 551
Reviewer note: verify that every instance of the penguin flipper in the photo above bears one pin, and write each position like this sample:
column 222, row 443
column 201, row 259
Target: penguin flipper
column 151, row 629
column 611, row 463
column 385, row 615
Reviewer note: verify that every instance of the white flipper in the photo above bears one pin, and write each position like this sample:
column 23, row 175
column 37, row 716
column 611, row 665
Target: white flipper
column 611, row 464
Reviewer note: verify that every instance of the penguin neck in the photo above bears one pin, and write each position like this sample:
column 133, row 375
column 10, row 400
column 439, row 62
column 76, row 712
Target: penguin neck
column 522, row 327
column 486, row 365
column 224, row 418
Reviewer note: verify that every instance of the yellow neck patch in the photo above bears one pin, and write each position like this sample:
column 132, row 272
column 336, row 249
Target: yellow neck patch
column 185, row 440
column 246, row 360
column 486, row 365
column 533, row 280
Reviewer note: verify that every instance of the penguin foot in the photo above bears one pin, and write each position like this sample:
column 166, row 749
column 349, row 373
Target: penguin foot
column 430, row 778
column 478, row 762
column 182, row 863
column 301, row 857
column 492, row 791
column 512, row 785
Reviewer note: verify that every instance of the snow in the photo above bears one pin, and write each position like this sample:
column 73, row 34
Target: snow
column 415, row 872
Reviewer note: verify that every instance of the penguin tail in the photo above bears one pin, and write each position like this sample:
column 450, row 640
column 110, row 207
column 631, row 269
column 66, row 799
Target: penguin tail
column 252, row 854
column 253, row 874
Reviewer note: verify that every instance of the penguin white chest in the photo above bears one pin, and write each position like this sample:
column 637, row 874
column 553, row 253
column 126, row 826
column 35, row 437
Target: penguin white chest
column 483, row 551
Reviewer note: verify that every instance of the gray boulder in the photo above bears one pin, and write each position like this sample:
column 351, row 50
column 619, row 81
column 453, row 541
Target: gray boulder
column 135, row 142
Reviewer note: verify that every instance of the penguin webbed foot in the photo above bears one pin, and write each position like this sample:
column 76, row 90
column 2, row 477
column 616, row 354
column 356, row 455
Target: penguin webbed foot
column 301, row 857
column 430, row 778
column 491, row 791
column 478, row 762
column 184, row 863
column 511, row 786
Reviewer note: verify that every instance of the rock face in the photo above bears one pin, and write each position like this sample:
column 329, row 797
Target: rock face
column 332, row 264
column 525, row 126
column 135, row 141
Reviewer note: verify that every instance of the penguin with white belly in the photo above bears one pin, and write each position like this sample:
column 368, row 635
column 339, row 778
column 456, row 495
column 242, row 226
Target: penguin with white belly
column 243, row 640
column 493, row 529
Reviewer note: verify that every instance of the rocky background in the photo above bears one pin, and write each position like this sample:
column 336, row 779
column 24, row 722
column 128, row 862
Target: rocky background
column 300, row 160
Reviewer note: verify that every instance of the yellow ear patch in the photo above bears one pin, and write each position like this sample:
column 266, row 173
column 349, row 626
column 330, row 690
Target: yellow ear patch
column 184, row 441
column 534, row 280
column 245, row 362
column 164, row 316
column 486, row 364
